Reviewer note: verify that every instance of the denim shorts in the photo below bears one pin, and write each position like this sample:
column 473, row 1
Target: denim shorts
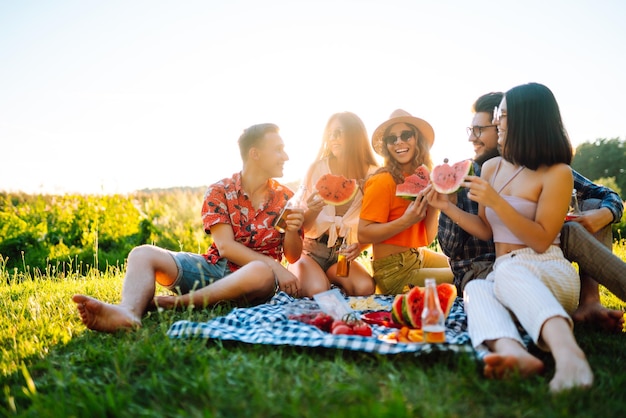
column 195, row 272
column 318, row 250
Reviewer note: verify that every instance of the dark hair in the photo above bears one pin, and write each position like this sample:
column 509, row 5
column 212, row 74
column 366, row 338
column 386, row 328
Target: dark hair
column 487, row 102
column 358, row 154
column 535, row 134
column 252, row 136
column 422, row 156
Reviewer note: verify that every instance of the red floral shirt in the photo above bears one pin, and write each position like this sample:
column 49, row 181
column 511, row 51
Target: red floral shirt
column 226, row 203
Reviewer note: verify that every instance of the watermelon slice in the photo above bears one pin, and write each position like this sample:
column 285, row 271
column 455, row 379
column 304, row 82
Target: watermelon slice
column 447, row 294
column 413, row 304
column 447, row 179
column 413, row 184
column 336, row 190
column 396, row 310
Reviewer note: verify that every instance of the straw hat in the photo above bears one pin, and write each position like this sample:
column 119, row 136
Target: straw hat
column 402, row 116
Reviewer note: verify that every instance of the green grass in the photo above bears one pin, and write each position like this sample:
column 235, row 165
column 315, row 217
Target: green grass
column 51, row 366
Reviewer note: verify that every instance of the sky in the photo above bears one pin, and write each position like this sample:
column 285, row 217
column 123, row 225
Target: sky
column 120, row 95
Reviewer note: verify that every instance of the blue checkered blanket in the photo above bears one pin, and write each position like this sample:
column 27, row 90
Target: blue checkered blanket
column 268, row 324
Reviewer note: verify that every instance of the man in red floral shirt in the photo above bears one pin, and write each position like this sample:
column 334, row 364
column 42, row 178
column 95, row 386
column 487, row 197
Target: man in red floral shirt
column 244, row 262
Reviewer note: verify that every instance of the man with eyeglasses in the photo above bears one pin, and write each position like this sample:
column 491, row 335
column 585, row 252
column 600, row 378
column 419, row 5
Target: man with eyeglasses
column 587, row 240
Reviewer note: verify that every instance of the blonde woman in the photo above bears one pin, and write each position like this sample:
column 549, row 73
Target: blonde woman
column 345, row 151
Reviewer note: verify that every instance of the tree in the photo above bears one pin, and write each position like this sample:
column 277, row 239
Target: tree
column 603, row 158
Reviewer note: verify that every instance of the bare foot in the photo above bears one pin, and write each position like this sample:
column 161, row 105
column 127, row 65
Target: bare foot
column 572, row 372
column 594, row 313
column 104, row 317
column 501, row 366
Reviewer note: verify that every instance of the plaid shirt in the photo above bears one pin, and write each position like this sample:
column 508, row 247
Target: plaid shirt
column 586, row 189
column 464, row 249
column 226, row 203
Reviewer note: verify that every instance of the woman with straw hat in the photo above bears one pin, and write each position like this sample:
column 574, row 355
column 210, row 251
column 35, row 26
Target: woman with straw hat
column 399, row 229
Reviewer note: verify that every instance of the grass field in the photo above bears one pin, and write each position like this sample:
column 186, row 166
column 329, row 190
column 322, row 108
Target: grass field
column 51, row 366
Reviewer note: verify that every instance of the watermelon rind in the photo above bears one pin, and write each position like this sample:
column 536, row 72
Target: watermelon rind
column 414, row 183
column 336, row 190
column 447, row 294
column 396, row 310
column 447, row 179
column 412, row 307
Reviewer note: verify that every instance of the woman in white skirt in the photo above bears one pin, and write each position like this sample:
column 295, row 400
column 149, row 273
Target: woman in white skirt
column 523, row 198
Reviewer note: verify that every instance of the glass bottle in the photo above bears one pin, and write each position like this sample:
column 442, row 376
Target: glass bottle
column 343, row 265
column 433, row 319
column 574, row 209
column 296, row 202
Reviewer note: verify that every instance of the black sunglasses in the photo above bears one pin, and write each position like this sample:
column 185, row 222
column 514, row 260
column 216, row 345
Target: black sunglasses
column 404, row 137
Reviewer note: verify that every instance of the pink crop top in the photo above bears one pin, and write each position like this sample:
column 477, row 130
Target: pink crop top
column 525, row 207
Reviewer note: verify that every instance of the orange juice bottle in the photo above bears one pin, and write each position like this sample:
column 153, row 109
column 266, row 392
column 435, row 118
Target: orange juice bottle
column 343, row 265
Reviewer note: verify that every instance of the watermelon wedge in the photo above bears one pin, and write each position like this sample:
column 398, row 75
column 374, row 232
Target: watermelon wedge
column 396, row 310
column 447, row 178
column 336, row 190
column 407, row 308
column 413, row 184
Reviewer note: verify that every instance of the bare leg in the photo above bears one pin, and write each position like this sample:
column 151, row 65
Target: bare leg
column 313, row 280
column 251, row 283
column 144, row 263
column 358, row 283
column 591, row 310
column 509, row 357
column 572, row 368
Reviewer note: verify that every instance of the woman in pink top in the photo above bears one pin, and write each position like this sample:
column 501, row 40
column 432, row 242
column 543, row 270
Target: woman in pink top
column 523, row 198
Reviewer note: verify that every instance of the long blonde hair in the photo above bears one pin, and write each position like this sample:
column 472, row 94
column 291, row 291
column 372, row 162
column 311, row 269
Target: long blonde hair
column 358, row 154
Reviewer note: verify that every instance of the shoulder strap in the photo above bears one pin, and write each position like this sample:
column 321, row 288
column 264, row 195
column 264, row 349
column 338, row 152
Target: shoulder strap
column 519, row 170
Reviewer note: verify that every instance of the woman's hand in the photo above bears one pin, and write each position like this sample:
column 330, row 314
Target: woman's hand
column 315, row 203
column 437, row 200
column 352, row 251
column 416, row 211
column 481, row 191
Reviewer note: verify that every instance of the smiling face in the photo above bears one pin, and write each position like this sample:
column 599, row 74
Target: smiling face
column 403, row 151
column 500, row 119
column 486, row 143
column 270, row 155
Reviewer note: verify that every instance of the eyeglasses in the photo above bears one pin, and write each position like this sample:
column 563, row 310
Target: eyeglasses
column 477, row 130
column 404, row 137
column 498, row 114
column 336, row 134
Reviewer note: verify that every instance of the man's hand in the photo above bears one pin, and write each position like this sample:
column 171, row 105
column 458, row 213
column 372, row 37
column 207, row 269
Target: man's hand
column 287, row 282
column 595, row 219
column 295, row 220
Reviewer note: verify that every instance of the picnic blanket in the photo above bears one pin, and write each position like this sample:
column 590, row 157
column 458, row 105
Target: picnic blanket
column 268, row 324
